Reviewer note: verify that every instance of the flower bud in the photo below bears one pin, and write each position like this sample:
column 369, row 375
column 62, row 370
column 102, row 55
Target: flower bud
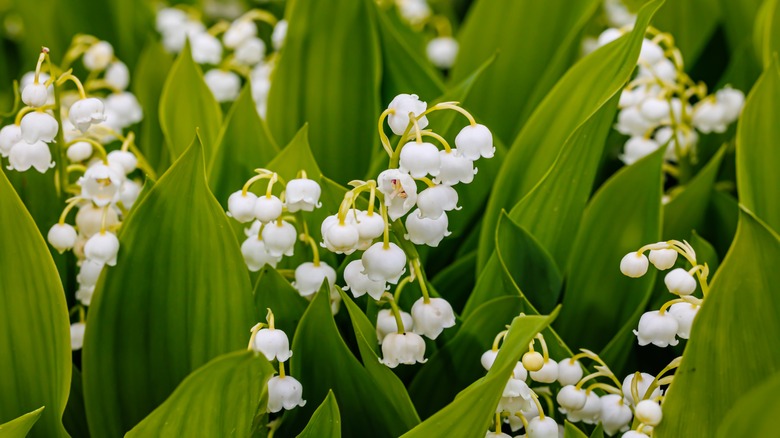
column 590, row 413
column 657, row 328
column 102, row 247
column 125, row 160
column 118, row 75
column 655, row 109
column 663, row 259
column 84, row 112
column 206, row 48
column 649, row 412
column 572, row 398
column 79, row 151
column 77, row 335
column 615, row 414
column 709, row 116
column 569, row 372
column 431, row 318
column 123, row 109
column 37, row 126
column 250, row 52
column 268, row 208
column 98, row 56
column 340, row 238
column 488, row 358
column 302, row 194
column 279, row 34
column 382, row 263
column 280, row 238
column 533, row 361
column 239, row 32
column 680, row 282
column 475, row 141
column 284, row 393
column 637, row 148
column 273, row 344
column 62, row 237
column 651, row 53
column 359, row 283
column 89, row 272
column 442, row 52
column 634, row 264
column 35, row 95
column 631, row 122
column 426, row 231
column 403, row 348
column 419, row 159
column 733, row 100
column 89, row 219
column 434, row 201
column 542, row 428
column 386, row 323
column 241, row 206
column 224, row 85
column 547, row 374
column 403, row 104
column 309, row 277
column 256, row 255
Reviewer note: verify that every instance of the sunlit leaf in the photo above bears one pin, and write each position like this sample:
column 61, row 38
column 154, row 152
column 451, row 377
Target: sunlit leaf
column 754, row 412
column 20, row 427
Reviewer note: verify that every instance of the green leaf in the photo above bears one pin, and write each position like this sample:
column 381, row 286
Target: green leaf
column 328, row 75
column 243, row 145
column 754, row 414
column 739, row 19
column 691, row 22
column 624, row 214
column 187, row 105
column 585, row 88
column 766, row 34
column 524, row 33
column 757, row 133
column 571, row 431
column 35, row 365
column 598, row 432
column 728, row 325
column 132, row 21
column 221, row 398
column 723, row 215
column 472, row 411
column 273, row 292
column 296, row 156
column 178, row 297
column 326, row 420
column 75, row 417
column 456, row 281
column 20, row 427
column 148, row 80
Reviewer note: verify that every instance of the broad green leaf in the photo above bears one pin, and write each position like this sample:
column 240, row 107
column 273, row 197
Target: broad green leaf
column 766, row 34
column 729, row 324
column 326, row 420
column 35, row 365
column 723, row 215
column 624, row 214
column 739, row 19
column 328, row 76
column 187, row 105
column 178, row 297
column 472, row 411
column 585, row 88
column 273, row 292
column 20, row 427
column 571, row 431
column 524, row 33
column 757, row 157
column 296, row 156
column 755, row 413
column 243, row 145
column 221, row 398
column 148, row 80
column 691, row 23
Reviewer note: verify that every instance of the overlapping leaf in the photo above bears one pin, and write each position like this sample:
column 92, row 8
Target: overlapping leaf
column 754, row 413
column 20, row 427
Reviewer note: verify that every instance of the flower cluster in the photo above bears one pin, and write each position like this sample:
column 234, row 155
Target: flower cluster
column 239, row 53
column 674, row 319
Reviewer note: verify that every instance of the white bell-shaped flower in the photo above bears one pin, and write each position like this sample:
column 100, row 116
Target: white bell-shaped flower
column 420, row 159
column 655, row 109
column 84, row 294
column 273, row 344
column 89, row 272
column 455, row 168
column 359, row 283
column 403, row 104
column 548, row 373
column 609, row 35
column 224, row 85
column 309, row 277
column 634, row 264
column 118, row 75
column 238, row 32
column 542, row 428
column 250, row 52
column 709, row 115
column 650, row 53
column 403, row 348
column 399, row 190
column 126, row 160
column 241, row 206
column 77, row 335
column 386, row 323
column 284, row 393
column 642, row 385
column 415, row 12
column 516, row 396
column 684, row 313
column 124, row 109
column 497, row 435
column 62, row 237
column 84, row 112
column 382, row 263
column 37, row 126
column 657, row 328
column 279, row 34
column 340, row 238
column 663, row 259
column 635, row 434
column 79, row 151
column 425, row 231
column 631, row 122
column 24, row 155
column 572, row 398
column 256, row 255
column 89, row 219
column 279, row 238
column 434, row 201
column 590, row 413
column 302, row 194
column 253, row 229
column 206, row 48
column 732, row 100
column 637, row 148
column 475, row 141
column 102, row 247
column 98, row 56
column 488, row 358
column 519, row 371
column 442, row 51
column 268, row 208
column 129, row 192
column 9, row 136
column 168, row 18
column 685, row 140
column 649, row 412
column 664, row 71
column 369, row 226
column 35, row 95
column 615, row 414
column 431, row 318
column 680, row 282
column 100, row 184
column 569, row 371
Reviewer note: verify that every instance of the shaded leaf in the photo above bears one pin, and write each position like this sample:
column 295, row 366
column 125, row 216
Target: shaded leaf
column 691, row 22
column 20, row 427
column 274, row 292
column 326, row 420
column 148, row 81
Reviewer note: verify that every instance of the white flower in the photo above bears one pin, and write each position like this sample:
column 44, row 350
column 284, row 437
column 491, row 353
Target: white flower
column 250, row 52
column 302, row 194
column 100, row 184
column 651, row 52
column 35, row 95
column 519, row 371
column 615, row 414
column 241, row 206
column 657, row 328
column 635, row 434
column 84, row 294
column 434, row 201
column 733, row 100
column 279, row 34
column 516, row 396
column 403, row 104
column 309, row 277
column 129, row 192
column 24, row 155
column 224, row 85
column 426, row 231
column 386, row 323
column 77, row 335
column 403, row 348
column 686, row 140
column 497, row 435
column 273, row 344
column 268, row 208
column 84, row 112
column 102, row 247
column 680, row 282
column 89, row 272
column 38, row 126
column 637, row 148
column 125, row 160
column 415, row 12
column 98, row 56
column 548, row 373
column 455, row 168
column 419, row 159
column 475, row 141
column 256, row 255
column 174, row 38
column 382, row 263
column 709, row 115
column 634, row 264
column 542, row 428
column 533, row 361
column 632, row 97
column 279, row 238
column 79, row 151
column 609, row 35
column 359, row 283
column 649, row 412
column 569, row 372
column 590, row 413
column 431, row 318
column 442, row 52
column 488, row 358
column 9, row 136
column 369, row 226
column 168, row 18
column 618, row 14
column 572, row 398
column 663, row 70
column 399, row 190
column 631, row 122
column 284, row 393
column 655, row 109
column 62, row 237
column 684, row 313
column 239, row 32
column 643, row 384
column 89, row 219
column 206, row 48
column 123, row 109
column 663, row 259
column 118, row 75
column 338, row 237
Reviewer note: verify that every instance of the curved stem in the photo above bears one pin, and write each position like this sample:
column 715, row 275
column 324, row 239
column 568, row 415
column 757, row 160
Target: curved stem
column 396, row 313
column 420, row 274
column 381, row 127
column 72, row 202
